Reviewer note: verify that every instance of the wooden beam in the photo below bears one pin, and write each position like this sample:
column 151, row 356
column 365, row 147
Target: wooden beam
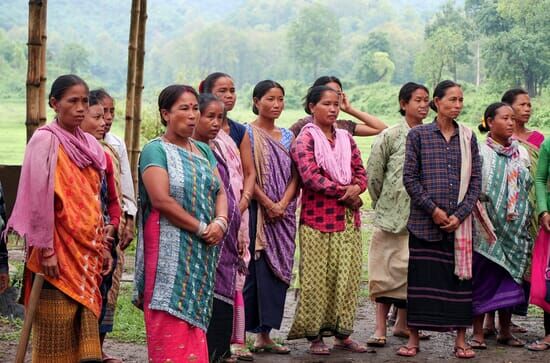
column 34, row 45
column 136, row 128
column 131, row 76
column 42, row 95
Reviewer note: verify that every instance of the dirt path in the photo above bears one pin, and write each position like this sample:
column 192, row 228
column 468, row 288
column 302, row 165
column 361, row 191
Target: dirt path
column 438, row 348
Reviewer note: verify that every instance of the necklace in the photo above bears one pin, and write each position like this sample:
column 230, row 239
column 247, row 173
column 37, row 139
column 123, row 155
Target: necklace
column 188, row 146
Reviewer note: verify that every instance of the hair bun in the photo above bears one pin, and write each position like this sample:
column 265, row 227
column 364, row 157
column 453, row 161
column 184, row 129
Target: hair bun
column 433, row 106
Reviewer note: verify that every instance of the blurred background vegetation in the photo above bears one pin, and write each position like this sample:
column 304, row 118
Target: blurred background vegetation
column 374, row 46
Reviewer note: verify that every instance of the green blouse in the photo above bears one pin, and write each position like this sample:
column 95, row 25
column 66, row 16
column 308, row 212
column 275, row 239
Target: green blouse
column 390, row 200
column 542, row 179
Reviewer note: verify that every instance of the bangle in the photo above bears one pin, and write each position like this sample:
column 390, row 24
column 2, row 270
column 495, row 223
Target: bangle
column 202, row 229
column 50, row 255
column 247, row 197
column 222, row 224
column 223, row 217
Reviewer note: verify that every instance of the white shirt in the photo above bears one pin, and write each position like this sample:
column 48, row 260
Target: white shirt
column 127, row 185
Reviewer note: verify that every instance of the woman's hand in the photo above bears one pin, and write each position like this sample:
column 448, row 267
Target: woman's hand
column 440, row 217
column 345, row 105
column 354, row 203
column 127, row 233
column 276, row 212
column 107, row 262
column 213, row 234
column 350, row 193
column 545, row 221
column 108, row 236
column 452, row 224
column 49, row 264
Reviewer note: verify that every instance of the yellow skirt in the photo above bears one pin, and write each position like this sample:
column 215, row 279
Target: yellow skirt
column 63, row 330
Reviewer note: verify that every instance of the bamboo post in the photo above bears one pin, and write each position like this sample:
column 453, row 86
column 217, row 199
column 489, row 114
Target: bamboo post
column 43, row 37
column 136, row 128
column 131, row 77
column 33, row 67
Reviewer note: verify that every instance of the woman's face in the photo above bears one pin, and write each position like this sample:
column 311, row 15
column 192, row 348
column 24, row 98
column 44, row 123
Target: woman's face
column 418, row 106
column 224, row 89
column 502, row 125
column 182, row 116
column 71, row 108
column 450, row 105
column 210, row 121
column 108, row 112
column 94, row 122
column 522, row 108
column 325, row 112
column 271, row 104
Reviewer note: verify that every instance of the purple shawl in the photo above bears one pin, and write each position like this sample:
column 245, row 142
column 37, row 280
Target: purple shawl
column 33, row 212
column 274, row 172
column 229, row 262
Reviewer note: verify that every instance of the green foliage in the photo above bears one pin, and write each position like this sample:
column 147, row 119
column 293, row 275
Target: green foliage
column 374, row 63
column 129, row 324
column 313, row 39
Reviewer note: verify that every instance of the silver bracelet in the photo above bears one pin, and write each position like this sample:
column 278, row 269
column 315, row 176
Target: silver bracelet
column 223, row 225
column 202, row 229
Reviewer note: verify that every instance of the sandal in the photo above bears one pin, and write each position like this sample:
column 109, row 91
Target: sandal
column 405, row 334
column 231, row 359
column 107, row 359
column 511, row 341
column 476, row 344
column 487, row 333
column 351, row 346
column 242, row 353
column 318, row 347
column 406, row 351
column 464, row 352
column 517, row 328
column 375, row 341
column 539, row 346
column 274, row 348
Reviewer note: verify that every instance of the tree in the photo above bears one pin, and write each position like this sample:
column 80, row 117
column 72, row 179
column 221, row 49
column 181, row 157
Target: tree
column 373, row 62
column 314, row 40
column 74, row 58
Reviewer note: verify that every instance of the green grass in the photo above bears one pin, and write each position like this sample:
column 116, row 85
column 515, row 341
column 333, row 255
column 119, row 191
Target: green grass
column 129, row 324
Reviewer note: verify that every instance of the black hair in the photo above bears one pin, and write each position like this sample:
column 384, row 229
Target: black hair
column 440, row 91
column 101, row 94
column 490, row 113
column 207, row 98
column 207, row 85
column 314, row 95
column 170, row 95
column 510, row 96
column 405, row 93
column 261, row 89
column 95, row 97
column 62, row 84
column 324, row 80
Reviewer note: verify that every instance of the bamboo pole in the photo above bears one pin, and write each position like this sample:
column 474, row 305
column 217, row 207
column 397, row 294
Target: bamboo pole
column 136, row 128
column 33, row 67
column 44, row 38
column 131, row 76
column 29, row 317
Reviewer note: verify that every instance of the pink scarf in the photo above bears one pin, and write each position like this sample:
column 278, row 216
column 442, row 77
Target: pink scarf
column 33, row 212
column 336, row 162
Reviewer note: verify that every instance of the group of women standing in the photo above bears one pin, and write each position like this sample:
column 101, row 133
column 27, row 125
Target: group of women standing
column 217, row 222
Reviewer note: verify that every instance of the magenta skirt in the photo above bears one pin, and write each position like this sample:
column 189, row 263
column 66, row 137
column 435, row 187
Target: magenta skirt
column 169, row 339
column 538, row 268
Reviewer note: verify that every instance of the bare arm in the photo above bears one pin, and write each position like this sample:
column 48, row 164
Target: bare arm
column 372, row 125
column 249, row 172
column 156, row 183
